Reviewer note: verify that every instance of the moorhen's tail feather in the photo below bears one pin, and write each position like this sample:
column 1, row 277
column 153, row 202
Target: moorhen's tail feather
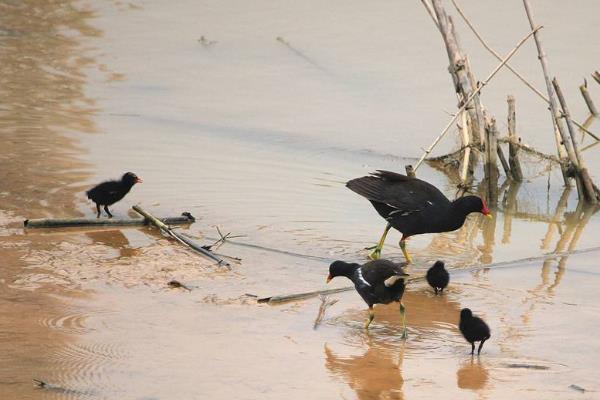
column 391, row 176
column 369, row 187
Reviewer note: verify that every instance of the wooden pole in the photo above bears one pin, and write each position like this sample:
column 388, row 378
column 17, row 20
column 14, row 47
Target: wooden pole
column 187, row 218
column 590, row 193
column 180, row 238
column 464, row 170
column 513, row 151
column 556, row 123
column 588, row 99
column 464, row 106
column 503, row 161
column 491, row 163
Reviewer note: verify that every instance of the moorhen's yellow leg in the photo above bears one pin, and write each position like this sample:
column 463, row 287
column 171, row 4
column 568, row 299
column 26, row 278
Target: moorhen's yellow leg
column 377, row 252
column 403, row 314
column 371, row 316
column 404, row 251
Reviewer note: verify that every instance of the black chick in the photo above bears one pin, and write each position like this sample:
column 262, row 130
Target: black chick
column 108, row 193
column 438, row 277
column 377, row 282
column 474, row 329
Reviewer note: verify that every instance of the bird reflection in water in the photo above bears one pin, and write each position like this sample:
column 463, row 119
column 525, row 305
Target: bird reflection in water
column 116, row 239
column 375, row 374
column 472, row 374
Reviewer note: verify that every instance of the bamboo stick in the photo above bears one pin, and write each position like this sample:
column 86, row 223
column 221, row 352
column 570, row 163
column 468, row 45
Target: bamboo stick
column 466, row 156
column 481, row 86
column 588, row 99
column 590, row 194
column 458, row 69
column 513, row 151
column 552, row 101
column 510, row 68
column 503, row 161
column 180, row 238
column 491, row 163
column 187, row 218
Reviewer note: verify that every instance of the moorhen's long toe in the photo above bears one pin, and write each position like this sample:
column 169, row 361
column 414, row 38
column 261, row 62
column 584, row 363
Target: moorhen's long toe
column 413, row 206
column 109, row 192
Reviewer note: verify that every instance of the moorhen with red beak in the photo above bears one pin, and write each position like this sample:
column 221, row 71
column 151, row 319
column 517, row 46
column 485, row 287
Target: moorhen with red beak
column 413, row 206
column 377, row 282
column 109, row 192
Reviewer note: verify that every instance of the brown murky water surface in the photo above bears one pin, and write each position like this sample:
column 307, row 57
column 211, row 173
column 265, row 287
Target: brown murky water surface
column 257, row 136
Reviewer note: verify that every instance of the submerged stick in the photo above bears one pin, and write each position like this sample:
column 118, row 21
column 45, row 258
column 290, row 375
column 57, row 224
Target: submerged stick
column 280, row 299
column 180, row 238
column 466, row 103
column 325, row 304
column 186, row 218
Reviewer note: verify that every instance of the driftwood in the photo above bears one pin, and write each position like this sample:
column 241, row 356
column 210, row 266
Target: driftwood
column 186, row 218
column 466, row 103
column 180, row 238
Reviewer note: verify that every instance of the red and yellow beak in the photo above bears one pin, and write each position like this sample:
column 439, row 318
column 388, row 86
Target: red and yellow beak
column 485, row 211
column 329, row 278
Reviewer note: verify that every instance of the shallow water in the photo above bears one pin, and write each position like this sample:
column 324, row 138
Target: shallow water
column 257, row 136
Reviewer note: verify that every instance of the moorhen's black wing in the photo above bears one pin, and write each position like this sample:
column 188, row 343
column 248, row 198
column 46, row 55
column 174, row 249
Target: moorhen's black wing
column 374, row 274
column 409, row 204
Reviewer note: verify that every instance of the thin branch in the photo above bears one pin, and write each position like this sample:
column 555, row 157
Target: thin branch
column 481, row 86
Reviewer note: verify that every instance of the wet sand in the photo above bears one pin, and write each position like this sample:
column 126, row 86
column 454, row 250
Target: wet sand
column 257, row 137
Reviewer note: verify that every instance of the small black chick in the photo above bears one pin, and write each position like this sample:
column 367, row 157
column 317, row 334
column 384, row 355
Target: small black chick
column 377, row 282
column 438, row 277
column 474, row 329
column 108, row 193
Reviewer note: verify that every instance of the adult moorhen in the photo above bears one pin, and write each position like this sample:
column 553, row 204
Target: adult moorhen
column 438, row 277
column 109, row 192
column 474, row 329
column 377, row 282
column 413, row 206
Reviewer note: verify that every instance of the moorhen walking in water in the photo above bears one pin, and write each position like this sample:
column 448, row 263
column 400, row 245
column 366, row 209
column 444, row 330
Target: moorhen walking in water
column 377, row 282
column 413, row 206
column 108, row 193
column 474, row 329
column 438, row 277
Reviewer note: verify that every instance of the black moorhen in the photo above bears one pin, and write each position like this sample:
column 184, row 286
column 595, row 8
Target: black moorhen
column 108, row 193
column 413, row 206
column 377, row 282
column 473, row 328
column 438, row 277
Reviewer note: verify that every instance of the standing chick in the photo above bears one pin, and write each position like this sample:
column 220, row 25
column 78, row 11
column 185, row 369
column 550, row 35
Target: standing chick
column 108, row 193
column 474, row 329
column 438, row 277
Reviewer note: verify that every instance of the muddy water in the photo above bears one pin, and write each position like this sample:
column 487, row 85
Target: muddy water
column 257, row 135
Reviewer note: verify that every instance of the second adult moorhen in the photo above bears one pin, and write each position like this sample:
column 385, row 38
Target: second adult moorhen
column 413, row 206
column 377, row 282
column 109, row 192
